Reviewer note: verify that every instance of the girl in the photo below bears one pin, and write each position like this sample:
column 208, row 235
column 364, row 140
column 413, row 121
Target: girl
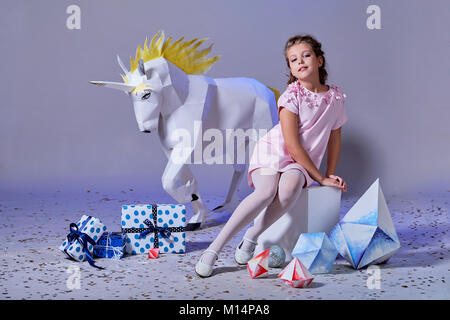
column 287, row 158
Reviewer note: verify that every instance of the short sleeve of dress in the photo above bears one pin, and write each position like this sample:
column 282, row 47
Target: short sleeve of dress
column 341, row 116
column 289, row 101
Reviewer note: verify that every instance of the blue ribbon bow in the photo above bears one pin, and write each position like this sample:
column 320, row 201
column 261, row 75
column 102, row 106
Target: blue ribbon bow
column 164, row 231
column 83, row 239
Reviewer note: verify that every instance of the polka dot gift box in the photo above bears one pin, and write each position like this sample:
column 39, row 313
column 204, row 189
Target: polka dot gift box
column 82, row 238
column 154, row 226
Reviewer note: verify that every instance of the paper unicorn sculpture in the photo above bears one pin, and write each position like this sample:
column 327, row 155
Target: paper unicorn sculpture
column 170, row 95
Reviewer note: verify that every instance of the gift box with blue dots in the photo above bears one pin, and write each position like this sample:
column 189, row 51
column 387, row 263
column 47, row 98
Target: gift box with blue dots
column 148, row 226
column 92, row 227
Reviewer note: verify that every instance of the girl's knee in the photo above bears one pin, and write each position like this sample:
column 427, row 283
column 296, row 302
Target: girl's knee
column 289, row 191
column 266, row 194
column 289, row 194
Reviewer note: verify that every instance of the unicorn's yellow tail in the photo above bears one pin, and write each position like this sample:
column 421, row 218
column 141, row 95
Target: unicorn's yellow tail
column 276, row 92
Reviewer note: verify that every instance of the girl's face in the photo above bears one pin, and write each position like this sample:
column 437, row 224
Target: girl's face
column 303, row 63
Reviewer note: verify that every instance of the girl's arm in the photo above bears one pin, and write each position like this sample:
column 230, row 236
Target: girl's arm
column 289, row 128
column 333, row 150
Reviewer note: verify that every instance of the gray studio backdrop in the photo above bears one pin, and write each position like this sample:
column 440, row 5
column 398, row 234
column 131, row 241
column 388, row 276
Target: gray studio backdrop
column 58, row 131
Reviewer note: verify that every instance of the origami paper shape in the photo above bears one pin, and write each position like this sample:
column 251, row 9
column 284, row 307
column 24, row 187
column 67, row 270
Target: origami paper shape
column 366, row 234
column 154, row 226
column 171, row 98
column 317, row 209
column 316, row 252
column 296, row 274
column 153, row 253
column 258, row 266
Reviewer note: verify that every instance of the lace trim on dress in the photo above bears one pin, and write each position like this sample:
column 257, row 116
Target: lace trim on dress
column 311, row 99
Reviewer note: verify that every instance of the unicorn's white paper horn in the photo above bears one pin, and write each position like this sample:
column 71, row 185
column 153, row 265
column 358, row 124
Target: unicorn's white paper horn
column 114, row 85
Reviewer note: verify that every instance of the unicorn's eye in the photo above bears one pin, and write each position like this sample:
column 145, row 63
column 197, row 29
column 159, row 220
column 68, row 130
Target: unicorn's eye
column 146, row 96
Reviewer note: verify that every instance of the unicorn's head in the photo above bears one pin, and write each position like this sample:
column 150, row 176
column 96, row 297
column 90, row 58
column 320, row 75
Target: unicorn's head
column 150, row 73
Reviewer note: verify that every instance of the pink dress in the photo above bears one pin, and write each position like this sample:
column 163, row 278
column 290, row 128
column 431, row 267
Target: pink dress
column 319, row 113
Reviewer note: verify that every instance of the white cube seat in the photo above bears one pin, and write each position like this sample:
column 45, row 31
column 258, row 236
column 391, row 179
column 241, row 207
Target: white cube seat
column 317, row 209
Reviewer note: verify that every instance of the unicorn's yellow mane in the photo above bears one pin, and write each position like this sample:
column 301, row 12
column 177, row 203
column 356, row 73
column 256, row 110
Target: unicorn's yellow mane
column 183, row 54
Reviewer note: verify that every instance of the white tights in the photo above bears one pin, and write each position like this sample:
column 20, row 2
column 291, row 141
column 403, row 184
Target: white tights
column 274, row 190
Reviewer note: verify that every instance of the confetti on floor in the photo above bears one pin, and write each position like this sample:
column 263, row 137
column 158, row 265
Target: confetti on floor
column 33, row 225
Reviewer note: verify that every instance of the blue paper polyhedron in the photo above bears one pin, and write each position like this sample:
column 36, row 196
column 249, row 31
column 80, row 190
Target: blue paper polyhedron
column 315, row 251
column 366, row 235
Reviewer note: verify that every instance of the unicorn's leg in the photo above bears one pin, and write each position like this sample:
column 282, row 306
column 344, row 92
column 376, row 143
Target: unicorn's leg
column 179, row 189
column 178, row 181
column 232, row 200
column 200, row 213
column 198, row 207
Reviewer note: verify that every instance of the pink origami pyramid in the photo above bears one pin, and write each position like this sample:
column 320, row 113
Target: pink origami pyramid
column 296, row 275
column 258, row 266
column 153, row 253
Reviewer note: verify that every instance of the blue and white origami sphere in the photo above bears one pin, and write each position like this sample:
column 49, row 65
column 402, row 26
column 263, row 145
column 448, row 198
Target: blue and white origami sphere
column 315, row 251
column 366, row 235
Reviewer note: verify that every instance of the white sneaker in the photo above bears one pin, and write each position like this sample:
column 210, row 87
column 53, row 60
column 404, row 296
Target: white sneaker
column 241, row 256
column 202, row 269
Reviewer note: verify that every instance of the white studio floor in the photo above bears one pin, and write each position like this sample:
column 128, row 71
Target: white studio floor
column 34, row 225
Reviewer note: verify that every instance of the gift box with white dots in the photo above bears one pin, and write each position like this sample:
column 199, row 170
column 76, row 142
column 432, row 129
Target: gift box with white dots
column 148, row 226
column 91, row 226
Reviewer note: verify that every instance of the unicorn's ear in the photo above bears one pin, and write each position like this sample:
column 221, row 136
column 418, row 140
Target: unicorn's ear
column 162, row 38
column 122, row 66
column 141, row 67
column 114, row 85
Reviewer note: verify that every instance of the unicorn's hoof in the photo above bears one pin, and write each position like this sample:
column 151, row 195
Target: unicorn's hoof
column 192, row 226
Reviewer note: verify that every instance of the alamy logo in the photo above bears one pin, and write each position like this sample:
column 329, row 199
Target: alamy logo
column 222, row 148
column 74, row 280
column 74, row 20
column 374, row 277
column 374, row 20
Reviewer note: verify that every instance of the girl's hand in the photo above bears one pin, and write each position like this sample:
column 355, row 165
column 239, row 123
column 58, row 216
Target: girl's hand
column 334, row 181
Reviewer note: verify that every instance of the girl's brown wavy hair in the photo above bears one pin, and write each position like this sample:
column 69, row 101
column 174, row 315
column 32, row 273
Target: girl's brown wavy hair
column 317, row 48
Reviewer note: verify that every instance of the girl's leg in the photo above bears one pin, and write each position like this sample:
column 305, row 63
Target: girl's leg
column 289, row 188
column 266, row 184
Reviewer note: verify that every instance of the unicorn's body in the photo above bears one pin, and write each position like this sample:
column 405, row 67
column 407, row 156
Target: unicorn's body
column 169, row 100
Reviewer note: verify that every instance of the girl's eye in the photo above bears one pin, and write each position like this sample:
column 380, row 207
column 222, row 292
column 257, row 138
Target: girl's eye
column 307, row 55
column 293, row 60
column 146, row 96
